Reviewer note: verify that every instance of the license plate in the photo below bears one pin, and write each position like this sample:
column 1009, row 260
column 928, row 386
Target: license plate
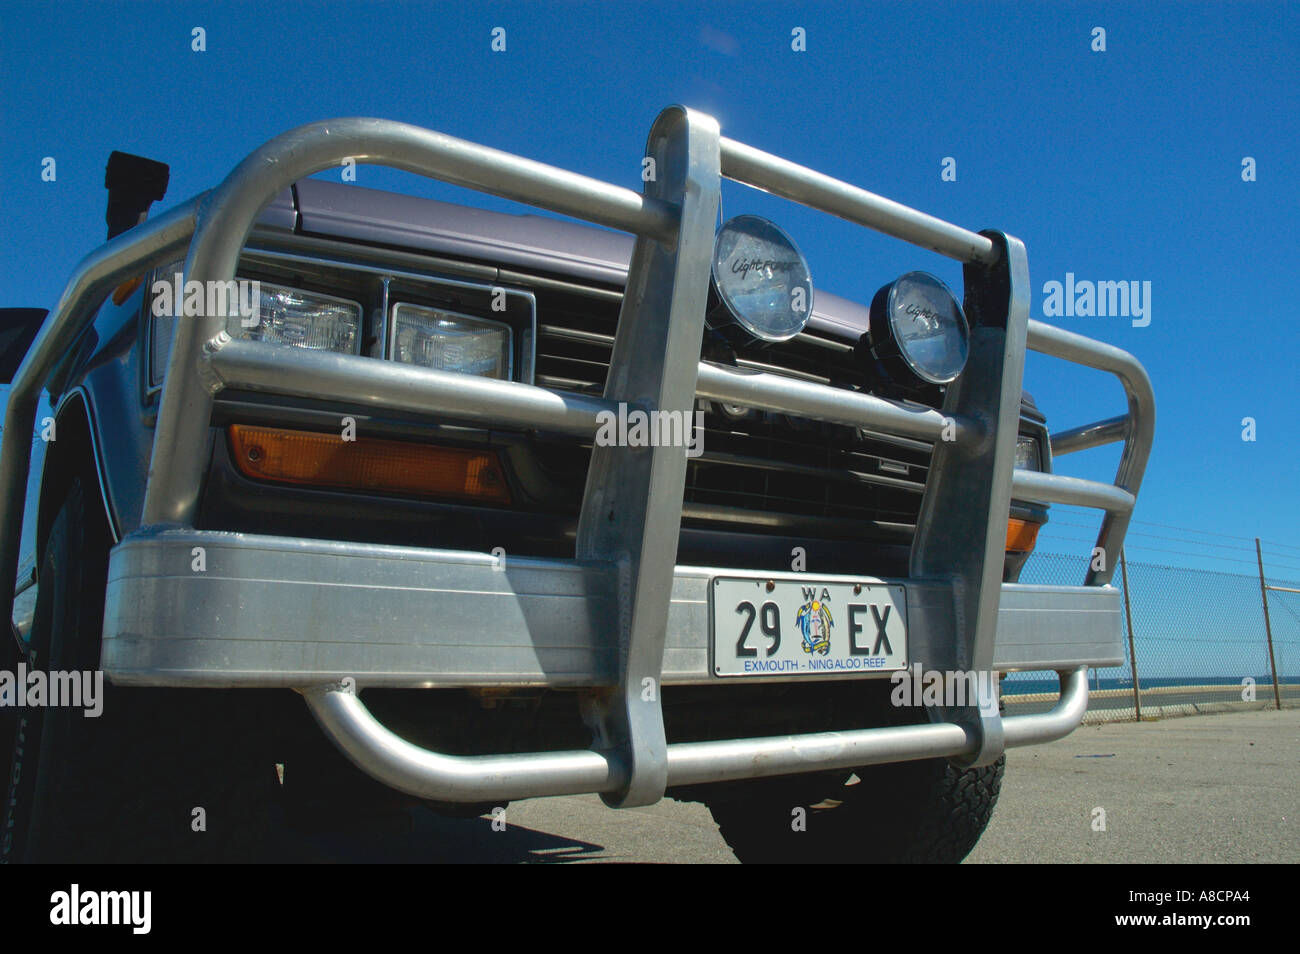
column 801, row 628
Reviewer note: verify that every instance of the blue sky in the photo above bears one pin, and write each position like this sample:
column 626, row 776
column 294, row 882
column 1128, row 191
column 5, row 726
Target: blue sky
column 1117, row 165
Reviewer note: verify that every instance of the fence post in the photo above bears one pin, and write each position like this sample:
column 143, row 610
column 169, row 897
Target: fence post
column 1132, row 653
column 1268, row 627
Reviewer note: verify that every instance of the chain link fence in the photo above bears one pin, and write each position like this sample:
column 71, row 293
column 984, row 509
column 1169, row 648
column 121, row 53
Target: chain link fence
column 1200, row 640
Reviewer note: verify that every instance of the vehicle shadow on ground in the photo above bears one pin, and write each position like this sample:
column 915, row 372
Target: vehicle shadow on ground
column 421, row 836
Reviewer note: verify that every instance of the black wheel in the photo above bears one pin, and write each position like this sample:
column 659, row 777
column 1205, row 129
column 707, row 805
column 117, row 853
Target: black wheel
column 159, row 774
column 908, row 812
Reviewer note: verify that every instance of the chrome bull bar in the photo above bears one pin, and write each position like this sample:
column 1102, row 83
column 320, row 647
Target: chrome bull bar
column 631, row 511
column 425, row 774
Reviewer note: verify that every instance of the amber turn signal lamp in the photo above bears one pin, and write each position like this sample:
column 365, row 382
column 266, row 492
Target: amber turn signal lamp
column 313, row 459
column 126, row 289
column 1021, row 535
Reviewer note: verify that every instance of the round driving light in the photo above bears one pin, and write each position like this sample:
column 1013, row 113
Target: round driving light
column 917, row 330
column 761, row 280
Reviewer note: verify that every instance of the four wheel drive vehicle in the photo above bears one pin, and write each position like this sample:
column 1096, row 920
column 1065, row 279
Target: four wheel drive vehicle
column 521, row 507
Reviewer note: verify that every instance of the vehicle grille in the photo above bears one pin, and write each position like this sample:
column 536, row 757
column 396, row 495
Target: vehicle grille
column 759, row 471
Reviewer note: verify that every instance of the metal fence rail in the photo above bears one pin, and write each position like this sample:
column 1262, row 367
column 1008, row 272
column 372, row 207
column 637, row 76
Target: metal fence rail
column 1199, row 643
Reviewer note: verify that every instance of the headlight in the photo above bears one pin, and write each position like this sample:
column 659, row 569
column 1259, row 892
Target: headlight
column 1028, row 456
column 917, row 330
column 276, row 314
column 447, row 341
column 291, row 316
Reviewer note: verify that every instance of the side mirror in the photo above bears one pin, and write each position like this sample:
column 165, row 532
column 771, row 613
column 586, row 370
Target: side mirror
column 18, row 328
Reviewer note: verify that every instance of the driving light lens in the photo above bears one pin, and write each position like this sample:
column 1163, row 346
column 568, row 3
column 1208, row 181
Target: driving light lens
column 762, row 280
column 918, row 329
column 446, row 341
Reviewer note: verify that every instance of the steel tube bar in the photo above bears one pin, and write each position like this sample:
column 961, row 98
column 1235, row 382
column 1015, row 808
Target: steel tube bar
column 819, row 191
column 1096, row 434
column 255, row 366
column 632, row 501
column 398, row 763
column 1054, row 488
column 968, row 489
column 1062, row 719
column 691, row 763
column 1140, row 435
column 771, row 392
column 135, row 251
column 392, row 760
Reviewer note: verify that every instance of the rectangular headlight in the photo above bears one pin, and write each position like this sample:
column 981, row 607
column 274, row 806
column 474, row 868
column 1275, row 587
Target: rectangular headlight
column 303, row 319
column 280, row 315
column 447, row 341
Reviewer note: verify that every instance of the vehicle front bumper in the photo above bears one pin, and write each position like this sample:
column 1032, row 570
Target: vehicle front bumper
column 280, row 611
column 189, row 608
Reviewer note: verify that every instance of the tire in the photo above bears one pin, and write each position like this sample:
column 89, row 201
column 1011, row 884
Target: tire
column 925, row 812
column 126, row 785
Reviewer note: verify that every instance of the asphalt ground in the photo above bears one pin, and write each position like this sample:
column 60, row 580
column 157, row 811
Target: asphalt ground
column 1203, row 789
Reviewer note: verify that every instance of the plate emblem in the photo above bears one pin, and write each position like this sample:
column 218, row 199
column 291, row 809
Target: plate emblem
column 814, row 621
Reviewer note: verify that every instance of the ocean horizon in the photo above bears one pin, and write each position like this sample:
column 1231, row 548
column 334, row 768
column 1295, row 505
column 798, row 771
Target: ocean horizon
column 1018, row 684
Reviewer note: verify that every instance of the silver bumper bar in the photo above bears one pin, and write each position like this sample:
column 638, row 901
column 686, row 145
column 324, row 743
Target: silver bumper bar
column 425, row 774
column 286, row 612
column 623, row 571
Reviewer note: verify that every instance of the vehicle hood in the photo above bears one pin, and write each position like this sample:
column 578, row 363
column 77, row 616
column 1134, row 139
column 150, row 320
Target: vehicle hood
column 526, row 242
